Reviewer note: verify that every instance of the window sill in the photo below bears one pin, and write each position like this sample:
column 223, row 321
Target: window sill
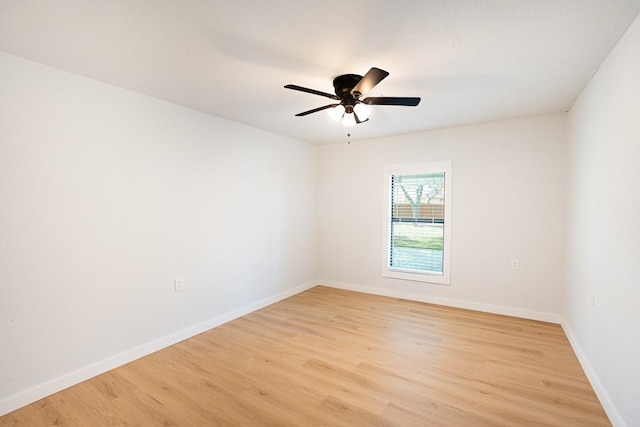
column 438, row 279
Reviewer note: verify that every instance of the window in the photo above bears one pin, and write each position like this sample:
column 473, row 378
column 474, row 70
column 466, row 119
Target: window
column 417, row 223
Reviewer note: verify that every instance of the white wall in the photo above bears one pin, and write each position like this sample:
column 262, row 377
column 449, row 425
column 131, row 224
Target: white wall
column 508, row 202
column 604, row 229
column 106, row 196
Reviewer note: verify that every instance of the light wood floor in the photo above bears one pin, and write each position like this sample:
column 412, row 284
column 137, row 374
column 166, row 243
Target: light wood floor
column 339, row 358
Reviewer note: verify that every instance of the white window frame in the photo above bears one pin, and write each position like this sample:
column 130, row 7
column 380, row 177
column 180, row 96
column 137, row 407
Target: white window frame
column 417, row 168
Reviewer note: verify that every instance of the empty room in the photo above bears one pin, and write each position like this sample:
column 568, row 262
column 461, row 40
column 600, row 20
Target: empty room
column 331, row 213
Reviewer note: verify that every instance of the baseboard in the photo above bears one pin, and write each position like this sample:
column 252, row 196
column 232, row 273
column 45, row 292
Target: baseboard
column 607, row 403
column 450, row 302
column 46, row 389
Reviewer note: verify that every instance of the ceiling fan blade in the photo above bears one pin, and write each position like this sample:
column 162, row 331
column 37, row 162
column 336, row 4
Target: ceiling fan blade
column 315, row 110
column 313, row 91
column 391, row 100
column 372, row 78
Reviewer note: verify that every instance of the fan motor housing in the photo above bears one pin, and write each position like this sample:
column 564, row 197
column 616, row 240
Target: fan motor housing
column 344, row 84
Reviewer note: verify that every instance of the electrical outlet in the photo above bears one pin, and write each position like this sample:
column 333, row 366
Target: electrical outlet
column 515, row 264
column 178, row 284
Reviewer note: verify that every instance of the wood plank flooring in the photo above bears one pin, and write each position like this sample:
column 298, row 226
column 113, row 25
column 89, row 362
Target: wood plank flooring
column 337, row 358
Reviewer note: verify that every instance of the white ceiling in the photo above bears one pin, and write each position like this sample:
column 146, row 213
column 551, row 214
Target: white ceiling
column 470, row 60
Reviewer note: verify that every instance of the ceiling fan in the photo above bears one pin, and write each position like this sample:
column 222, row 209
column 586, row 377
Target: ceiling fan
column 349, row 88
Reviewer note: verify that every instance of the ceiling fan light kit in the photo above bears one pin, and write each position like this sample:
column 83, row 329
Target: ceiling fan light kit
column 352, row 110
column 336, row 113
column 349, row 115
column 363, row 111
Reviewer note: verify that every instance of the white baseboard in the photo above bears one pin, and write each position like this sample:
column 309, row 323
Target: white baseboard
column 43, row 390
column 450, row 302
column 607, row 403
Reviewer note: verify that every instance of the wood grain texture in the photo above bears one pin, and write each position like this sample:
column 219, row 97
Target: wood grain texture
column 341, row 358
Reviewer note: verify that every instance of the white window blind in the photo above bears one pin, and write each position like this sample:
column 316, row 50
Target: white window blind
column 418, row 222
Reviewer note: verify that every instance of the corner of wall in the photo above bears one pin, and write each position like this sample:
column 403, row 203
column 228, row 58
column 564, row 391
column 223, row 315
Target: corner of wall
column 607, row 403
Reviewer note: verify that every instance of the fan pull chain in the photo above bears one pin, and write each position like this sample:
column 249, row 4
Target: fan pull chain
column 349, row 139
